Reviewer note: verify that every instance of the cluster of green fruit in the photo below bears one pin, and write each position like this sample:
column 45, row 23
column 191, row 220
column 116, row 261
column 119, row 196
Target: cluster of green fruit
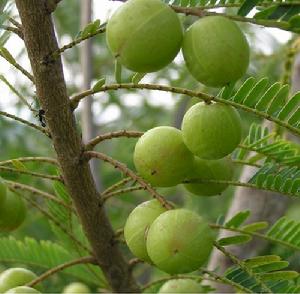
column 175, row 241
column 13, row 281
column 146, row 35
column 166, row 156
column 12, row 209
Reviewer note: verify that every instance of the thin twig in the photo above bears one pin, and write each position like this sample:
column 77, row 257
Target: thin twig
column 224, row 280
column 283, row 25
column 238, row 184
column 25, row 122
column 61, row 267
column 116, row 186
column 241, row 264
column 53, row 55
column 18, row 186
column 14, row 30
column 19, row 67
column 121, row 191
column 117, row 134
column 126, row 171
column 30, row 159
column 30, row 173
column 15, row 23
column 255, row 234
column 205, row 97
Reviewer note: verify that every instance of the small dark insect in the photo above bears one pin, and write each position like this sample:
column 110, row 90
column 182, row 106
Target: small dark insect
column 41, row 116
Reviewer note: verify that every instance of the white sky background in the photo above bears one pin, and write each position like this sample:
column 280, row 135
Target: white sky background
column 102, row 10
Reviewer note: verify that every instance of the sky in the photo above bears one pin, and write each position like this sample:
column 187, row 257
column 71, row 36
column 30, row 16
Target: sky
column 102, row 10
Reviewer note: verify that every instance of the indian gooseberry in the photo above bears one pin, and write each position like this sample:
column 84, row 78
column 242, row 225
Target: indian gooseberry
column 3, row 192
column 211, row 131
column 181, row 286
column 161, row 157
column 76, row 288
column 145, row 35
column 12, row 212
column 179, row 241
column 221, row 169
column 137, row 225
column 15, row 277
column 22, row 290
column 216, row 51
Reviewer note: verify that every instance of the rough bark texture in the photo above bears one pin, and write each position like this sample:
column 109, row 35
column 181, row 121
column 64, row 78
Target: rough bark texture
column 86, row 55
column 264, row 206
column 51, row 89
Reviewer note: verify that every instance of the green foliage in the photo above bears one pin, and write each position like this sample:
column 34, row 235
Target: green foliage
column 270, row 102
column 45, row 255
column 265, row 273
column 268, row 147
column 283, row 180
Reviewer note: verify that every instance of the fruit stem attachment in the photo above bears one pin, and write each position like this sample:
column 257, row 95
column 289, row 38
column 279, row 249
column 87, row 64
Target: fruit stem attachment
column 127, row 172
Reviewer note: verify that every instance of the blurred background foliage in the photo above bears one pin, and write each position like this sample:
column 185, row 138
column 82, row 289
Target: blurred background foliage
column 135, row 110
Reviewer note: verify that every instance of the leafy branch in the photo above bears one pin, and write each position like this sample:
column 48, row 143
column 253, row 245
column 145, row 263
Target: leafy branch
column 244, row 91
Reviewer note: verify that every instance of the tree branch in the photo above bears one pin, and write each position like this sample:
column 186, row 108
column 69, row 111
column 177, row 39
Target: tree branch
column 14, row 30
column 61, row 267
column 205, row 97
column 30, row 159
column 50, row 57
column 30, row 173
column 127, row 172
column 117, row 134
column 40, row 41
column 18, row 186
column 25, row 122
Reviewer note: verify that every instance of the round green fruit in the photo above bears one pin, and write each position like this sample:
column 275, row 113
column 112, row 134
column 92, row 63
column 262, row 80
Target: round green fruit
column 145, row 35
column 211, row 131
column 181, row 286
column 137, row 225
column 12, row 212
column 76, row 288
column 161, row 157
column 221, row 169
column 179, row 241
column 216, row 51
column 15, row 277
column 21, row 290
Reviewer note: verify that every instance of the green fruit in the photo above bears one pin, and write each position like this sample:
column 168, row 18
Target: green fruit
column 161, row 157
column 12, row 212
column 76, row 288
column 21, row 290
column 15, row 277
column 145, row 35
column 216, row 51
column 211, row 131
column 179, row 241
column 3, row 192
column 221, row 169
column 137, row 225
column 181, row 286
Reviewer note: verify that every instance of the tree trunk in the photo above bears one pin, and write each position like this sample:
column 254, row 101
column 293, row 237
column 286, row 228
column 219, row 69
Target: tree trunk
column 87, row 122
column 264, row 206
column 51, row 90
